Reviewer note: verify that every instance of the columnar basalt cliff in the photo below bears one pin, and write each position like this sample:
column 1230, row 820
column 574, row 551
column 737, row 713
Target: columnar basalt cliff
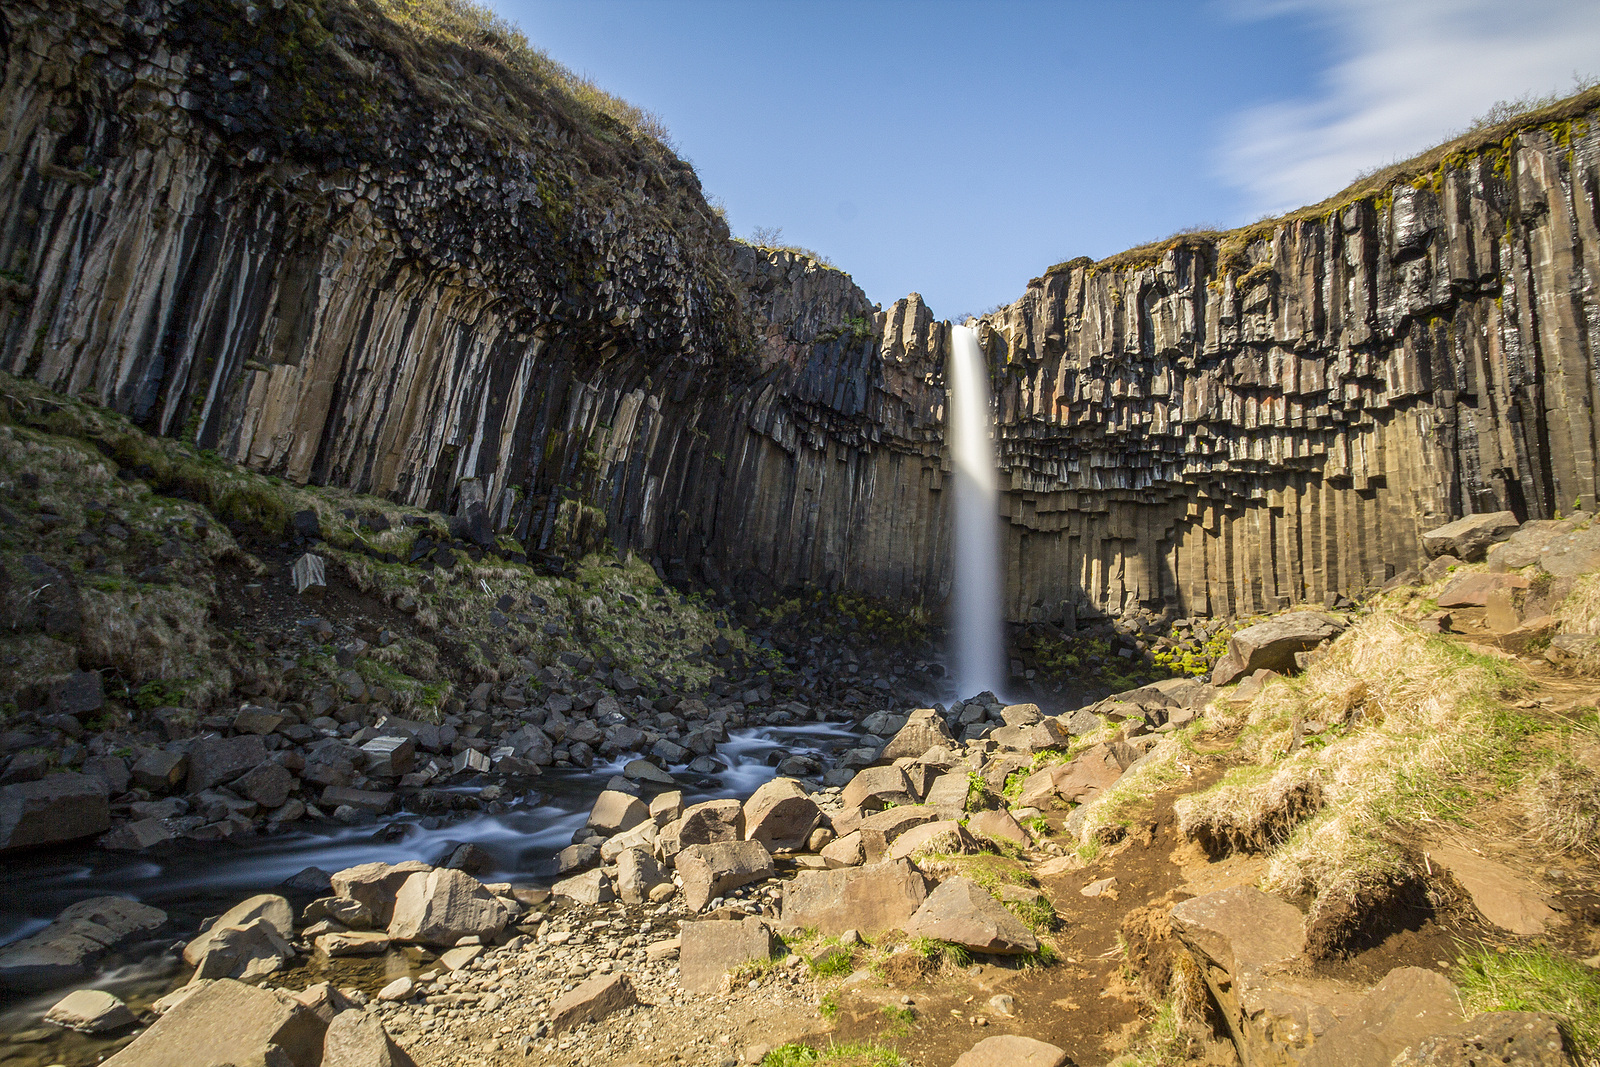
column 334, row 249
column 1234, row 423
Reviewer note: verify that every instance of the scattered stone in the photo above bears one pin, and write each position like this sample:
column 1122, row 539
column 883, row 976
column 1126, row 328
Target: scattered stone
column 90, row 1011
column 614, row 812
column 638, row 874
column 160, row 771
column 781, row 815
column 352, row 943
column 642, row 770
column 998, row 825
column 246, row 951
column 1272, row 645
column 399, row 989
column 215, row 760
column 1473, row 590
column 943, row 835
column 375, row 886
column 268, row 906
column 1099, row 888
column 375, row 803
column 924, row 729
column 667, row 807
column 268, row 785
column 711, row 821
column 591, row 1002
column 711, row 948
column 67, row 949
column 845, row 852
column 876, row 788
column 80, row 694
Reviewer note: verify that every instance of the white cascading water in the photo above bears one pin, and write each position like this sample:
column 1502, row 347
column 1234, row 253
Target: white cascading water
column 976, row 600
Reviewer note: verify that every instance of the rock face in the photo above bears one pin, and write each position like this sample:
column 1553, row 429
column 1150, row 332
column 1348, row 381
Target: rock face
column 58, row 807
column 1216, row 424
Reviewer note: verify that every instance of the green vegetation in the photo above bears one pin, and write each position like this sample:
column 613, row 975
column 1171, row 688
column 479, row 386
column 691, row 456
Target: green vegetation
column 1533, row 979
column 899, row 1020
column 938, row 953
column 855, row 1054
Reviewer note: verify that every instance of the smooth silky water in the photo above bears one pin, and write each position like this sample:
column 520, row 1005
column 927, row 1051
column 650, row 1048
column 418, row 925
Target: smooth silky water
column 975, row 605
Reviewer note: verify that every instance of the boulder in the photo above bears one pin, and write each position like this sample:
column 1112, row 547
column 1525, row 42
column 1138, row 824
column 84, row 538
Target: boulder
column 356, row 1039
column 375, row 885
column 1095, row 770
column 637, row 874
column 351, row 943
column 1410, row 1004
column 368, row 800
column 961, row 911
column 947, row 794
column 160, row 771
column 254, row 719
column 67, row 949
column 710, row 948
column 1572, row 554
column 871, row 899
column 924, row 729
column 943, row 835
column 90, row 1011
column 711, row 870
column 642, row 836
column 1503, row 896
column 590, row 887
column 310, row 575
column 247, row 951
column 711, row 821
column 642, row 770
column 1523, row 548
column 1473, row 590
column 215, row 760
column 591, row 1002
column 228, row 1022
column 1034, row 737
column 137, row 836
column 268, row 785
column 844, row 852
column 268, row 906
column 389, row 757
column 325, row 1000
column 1271, row 645
column 667, row 807
column 614, row 812
column 1469, row 537
column 442, row 906
column 781, row 815
column 79, row 694
column 879, row 830
column 56, row 808
column 1012, row 1050
column 1524, row 1038
column 1240, row 925
column 998, row 825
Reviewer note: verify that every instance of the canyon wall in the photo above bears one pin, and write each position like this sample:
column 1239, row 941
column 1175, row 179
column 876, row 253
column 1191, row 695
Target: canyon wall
column 333, row 249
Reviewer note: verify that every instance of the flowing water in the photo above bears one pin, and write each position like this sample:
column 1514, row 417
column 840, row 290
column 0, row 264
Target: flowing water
column 193, row 880
column 975, row 618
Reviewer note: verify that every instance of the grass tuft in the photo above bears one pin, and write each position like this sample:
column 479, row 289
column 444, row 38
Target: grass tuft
column 854, row 1054
column 1535, row 980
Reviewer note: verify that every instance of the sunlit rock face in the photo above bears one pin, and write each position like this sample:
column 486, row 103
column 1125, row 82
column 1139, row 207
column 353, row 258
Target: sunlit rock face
column 335, row 252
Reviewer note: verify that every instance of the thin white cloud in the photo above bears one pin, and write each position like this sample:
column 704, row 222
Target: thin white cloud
column 1412, row 72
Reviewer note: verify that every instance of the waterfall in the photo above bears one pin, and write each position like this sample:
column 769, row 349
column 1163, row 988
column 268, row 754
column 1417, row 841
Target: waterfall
column 976, row 601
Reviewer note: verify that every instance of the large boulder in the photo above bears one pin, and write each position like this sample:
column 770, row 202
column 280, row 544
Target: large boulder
column 880, row 829
column 1522, row 549
column 442, row 906
column 1271, row 645
column 375, row 886
column 615, row 811
column 269, row 906
column 711, row 821
column 709, row 871
column 962, row 912
column 924, row 729
column 229, row 1023
column 781, row 815
column 247, row 951
column 713, row 947
column 56, row 808
column 875, row 788
column 1468, row 538
column 215, row 760
column 67, row 949
column 1409, row 1005
column 356, row 1039
column 871, row 899
column 1524, row 1038
column 1570, row 555
column 1474, row 590
column 637, row 874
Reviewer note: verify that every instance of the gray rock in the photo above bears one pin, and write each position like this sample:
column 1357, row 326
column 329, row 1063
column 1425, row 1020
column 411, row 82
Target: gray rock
column 160, row 771
column 356, row 1039
column 442, row 906
column 711, row 870
column 56, row 808
column 637, row 874
column 871, row 899
column 228, row 1022
column 1523, row 1038
column 375, row 886
column 1271, row 645
column 310, row 575
column 962, row 912
column 924, row 729
column 90, row 1011
column 1470, row 537
column 643, row 770
column 1012, row 1050
column 246, row 951
column 80, row 694
column 268, row 785
column 781, row 815
column 591, row 1002
column 614, row 812
column 711, row 821
column 711, row 948
column 67, row 949
column 215, row 760
column 590, row 887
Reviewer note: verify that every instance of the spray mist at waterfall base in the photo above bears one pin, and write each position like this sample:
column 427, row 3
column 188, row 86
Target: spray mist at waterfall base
column 975, row 602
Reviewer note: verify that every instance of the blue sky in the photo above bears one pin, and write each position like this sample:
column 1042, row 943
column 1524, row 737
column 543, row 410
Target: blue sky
column 956, row 149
